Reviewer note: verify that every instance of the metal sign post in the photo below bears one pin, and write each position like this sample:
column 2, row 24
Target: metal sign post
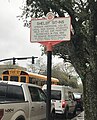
column 49, row 72
column 48, row 32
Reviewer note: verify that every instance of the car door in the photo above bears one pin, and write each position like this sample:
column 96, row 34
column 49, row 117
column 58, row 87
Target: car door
column 71, row 102
column 36, row 104
column 43, row 103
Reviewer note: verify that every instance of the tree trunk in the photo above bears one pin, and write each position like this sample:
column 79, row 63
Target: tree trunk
column 90, row 96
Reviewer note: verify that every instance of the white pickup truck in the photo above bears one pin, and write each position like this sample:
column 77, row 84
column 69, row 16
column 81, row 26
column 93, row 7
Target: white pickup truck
column 22, row 101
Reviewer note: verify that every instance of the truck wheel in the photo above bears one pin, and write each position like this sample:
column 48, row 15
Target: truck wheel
column 20, row 118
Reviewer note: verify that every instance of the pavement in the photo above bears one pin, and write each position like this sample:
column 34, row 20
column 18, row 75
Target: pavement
column 79, row 116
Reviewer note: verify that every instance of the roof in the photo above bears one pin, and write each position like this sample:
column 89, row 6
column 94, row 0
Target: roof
column 35, row 75
column 57, row 87
column 18, row 83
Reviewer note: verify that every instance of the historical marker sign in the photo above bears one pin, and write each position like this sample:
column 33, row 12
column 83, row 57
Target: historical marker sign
column 56, row 29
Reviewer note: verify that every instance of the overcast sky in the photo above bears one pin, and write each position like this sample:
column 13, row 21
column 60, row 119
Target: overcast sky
column 14, row 38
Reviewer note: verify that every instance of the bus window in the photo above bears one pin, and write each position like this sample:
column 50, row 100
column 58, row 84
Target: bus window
column 30, row 80
column 14, row 78
column 23, row 79
column 5, row 78
column 6, row 72
column 33, row 80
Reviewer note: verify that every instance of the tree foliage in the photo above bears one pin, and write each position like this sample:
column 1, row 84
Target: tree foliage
column 82, row 48
column 63, row 77
column 39, row 66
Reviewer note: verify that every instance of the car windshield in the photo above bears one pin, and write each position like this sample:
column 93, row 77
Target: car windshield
column 55, row 94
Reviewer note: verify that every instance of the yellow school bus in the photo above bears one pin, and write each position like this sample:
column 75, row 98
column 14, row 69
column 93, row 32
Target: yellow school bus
column 27, row 77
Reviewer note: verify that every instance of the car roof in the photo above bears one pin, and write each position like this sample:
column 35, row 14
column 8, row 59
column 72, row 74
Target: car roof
column 18, row 83
column 58, row 87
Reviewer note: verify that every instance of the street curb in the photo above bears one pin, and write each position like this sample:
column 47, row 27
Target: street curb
column 79, row 117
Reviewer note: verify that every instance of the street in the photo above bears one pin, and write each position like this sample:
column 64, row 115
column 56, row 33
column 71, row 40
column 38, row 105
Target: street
column 70, row 117
column 61, row 118
column 79, row 116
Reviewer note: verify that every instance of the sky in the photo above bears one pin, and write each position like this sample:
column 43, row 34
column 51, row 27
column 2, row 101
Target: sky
column 14, row 37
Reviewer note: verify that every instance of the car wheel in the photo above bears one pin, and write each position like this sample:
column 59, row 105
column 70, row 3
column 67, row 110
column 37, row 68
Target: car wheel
column 74, row 112
column 66, row 114
column 52, row 116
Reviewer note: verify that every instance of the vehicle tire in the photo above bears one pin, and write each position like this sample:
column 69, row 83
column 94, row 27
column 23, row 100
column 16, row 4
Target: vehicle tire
column 52, row 115
column 81, row 108
column 75, row 112
column 20, row 118
column 66, row 113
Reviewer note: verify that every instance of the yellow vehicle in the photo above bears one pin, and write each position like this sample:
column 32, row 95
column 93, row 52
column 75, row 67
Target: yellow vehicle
column 27, row 77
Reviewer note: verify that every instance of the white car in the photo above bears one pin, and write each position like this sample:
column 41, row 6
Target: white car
column 62, row 97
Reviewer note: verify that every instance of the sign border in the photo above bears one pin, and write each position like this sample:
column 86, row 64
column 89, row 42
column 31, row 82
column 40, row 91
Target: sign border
column 47, row 40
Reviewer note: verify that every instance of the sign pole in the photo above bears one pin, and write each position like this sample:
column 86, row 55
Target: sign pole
column 49, row 64
column 48, row 32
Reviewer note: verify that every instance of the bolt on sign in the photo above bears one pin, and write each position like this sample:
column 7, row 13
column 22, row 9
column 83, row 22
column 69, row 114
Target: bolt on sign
column 50, row 29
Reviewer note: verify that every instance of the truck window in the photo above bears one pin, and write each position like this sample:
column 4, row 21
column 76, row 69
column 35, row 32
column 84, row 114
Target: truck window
column 11, row 93
column 42, row 95
column 15, row 93
column 2, row 92
column 34, row 93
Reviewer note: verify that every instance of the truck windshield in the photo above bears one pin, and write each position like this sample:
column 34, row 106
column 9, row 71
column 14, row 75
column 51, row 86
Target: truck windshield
column 11, row 93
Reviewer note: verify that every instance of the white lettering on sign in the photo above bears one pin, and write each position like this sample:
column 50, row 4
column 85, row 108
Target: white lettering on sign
column 55, row 30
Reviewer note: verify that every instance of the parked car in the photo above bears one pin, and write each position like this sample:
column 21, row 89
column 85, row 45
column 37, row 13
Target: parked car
column 79, row 101
column 22, row 101
column 62, row 97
